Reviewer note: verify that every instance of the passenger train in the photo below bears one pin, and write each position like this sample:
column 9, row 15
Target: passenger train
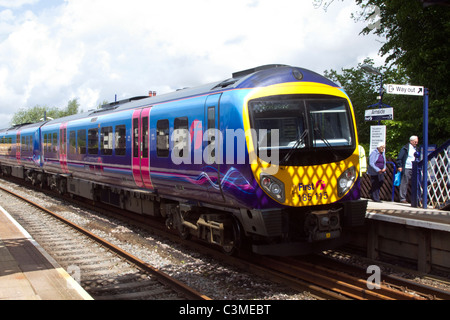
column 268, row 158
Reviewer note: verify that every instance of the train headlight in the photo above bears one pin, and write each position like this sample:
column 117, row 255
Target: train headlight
column 346, row 181
column 273, row 187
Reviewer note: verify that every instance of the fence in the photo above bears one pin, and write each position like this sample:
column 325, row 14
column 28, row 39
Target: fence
column 387, row 192
column 438, row 181
column 438, row 184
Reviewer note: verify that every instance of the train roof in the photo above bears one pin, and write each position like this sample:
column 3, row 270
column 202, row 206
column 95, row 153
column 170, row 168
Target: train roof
column 252, row 78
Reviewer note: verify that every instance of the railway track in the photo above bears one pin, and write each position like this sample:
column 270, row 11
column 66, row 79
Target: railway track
column 324, row 278
column 104, row 270
column 338, row 281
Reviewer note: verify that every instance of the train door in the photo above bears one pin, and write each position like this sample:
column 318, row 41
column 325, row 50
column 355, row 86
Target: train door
column 213, row 154
column 141, row 150
column 63, row 148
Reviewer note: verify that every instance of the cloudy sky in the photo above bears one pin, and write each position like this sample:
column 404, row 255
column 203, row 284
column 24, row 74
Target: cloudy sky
column 52, row 51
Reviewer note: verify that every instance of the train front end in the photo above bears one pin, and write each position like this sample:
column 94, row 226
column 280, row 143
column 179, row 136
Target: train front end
column 303, row 153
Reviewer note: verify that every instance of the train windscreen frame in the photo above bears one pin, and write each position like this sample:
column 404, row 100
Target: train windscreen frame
column 310, row 129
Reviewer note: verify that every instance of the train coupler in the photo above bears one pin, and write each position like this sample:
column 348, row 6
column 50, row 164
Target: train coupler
column 323, row 225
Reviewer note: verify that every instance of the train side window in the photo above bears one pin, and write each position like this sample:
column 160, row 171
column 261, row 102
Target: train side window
column 121, row 140
column 145, row 137
column 45, row 143
column 55, row 142
column 211, row 133
column 81, row 138
column 72, row 142
column 63, row 148
column 181, row 136
column 162, row 138
column 136, row 138
column 93, row 141
column 107, row 141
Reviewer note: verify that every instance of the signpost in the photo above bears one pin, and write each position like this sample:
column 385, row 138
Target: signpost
column 411, row 91
column 421, row 92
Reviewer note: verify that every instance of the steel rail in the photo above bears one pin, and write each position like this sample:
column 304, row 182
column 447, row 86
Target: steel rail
column 178, row 286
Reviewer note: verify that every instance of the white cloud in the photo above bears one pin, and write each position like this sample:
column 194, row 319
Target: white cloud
column 94, row 49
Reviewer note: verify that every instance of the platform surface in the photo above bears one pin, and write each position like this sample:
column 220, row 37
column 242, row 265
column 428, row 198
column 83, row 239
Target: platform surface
column 27, row 272
column 396, row 212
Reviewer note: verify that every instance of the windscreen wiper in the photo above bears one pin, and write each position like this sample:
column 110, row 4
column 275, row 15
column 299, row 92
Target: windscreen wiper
column 299, row 141
column 325, row 141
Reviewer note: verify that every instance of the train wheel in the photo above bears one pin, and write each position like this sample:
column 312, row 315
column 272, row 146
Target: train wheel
column 234, row 244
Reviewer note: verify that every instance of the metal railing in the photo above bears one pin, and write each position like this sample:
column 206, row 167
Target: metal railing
column 438, row 184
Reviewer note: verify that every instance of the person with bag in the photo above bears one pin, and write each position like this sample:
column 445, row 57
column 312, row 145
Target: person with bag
column 404, row 164
column 377, row 170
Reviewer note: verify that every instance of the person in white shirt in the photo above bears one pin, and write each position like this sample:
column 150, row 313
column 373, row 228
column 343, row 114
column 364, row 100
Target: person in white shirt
column 404, row 164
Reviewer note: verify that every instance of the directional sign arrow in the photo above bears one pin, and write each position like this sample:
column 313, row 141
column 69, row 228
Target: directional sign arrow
column 405, row 90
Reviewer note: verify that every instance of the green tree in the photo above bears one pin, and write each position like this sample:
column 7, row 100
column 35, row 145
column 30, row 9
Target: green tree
column 36, row 114
column 71, row 109
column 418, row 42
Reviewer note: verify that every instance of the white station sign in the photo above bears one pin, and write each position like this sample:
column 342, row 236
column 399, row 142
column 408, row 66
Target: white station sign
column 377, row 135
column 405, row 90
column 380, row 114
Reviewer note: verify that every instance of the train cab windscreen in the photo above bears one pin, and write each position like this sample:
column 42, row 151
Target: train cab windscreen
column 305, row 130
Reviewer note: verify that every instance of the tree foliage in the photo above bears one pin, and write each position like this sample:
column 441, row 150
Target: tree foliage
column 417, row 50
column 36, row 114
column 418, row 42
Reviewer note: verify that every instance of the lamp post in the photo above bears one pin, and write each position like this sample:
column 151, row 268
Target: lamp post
column 370, row 69
column 377, row 133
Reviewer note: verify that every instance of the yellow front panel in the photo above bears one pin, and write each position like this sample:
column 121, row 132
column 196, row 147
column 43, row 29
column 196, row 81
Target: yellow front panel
column 309, row 185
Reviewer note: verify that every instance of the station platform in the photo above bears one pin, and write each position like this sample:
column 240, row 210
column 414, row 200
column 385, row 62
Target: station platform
column 403, row 213
column 27, row 272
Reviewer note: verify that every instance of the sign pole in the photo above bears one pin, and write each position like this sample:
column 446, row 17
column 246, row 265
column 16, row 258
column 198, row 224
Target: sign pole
column 425, row 148
column 418, row 91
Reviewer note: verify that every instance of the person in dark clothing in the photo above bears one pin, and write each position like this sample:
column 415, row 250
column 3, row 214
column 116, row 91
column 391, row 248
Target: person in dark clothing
column 404, row 164
column 377, row 170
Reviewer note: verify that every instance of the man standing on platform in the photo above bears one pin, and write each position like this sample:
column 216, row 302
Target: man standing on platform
column 404, row 164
